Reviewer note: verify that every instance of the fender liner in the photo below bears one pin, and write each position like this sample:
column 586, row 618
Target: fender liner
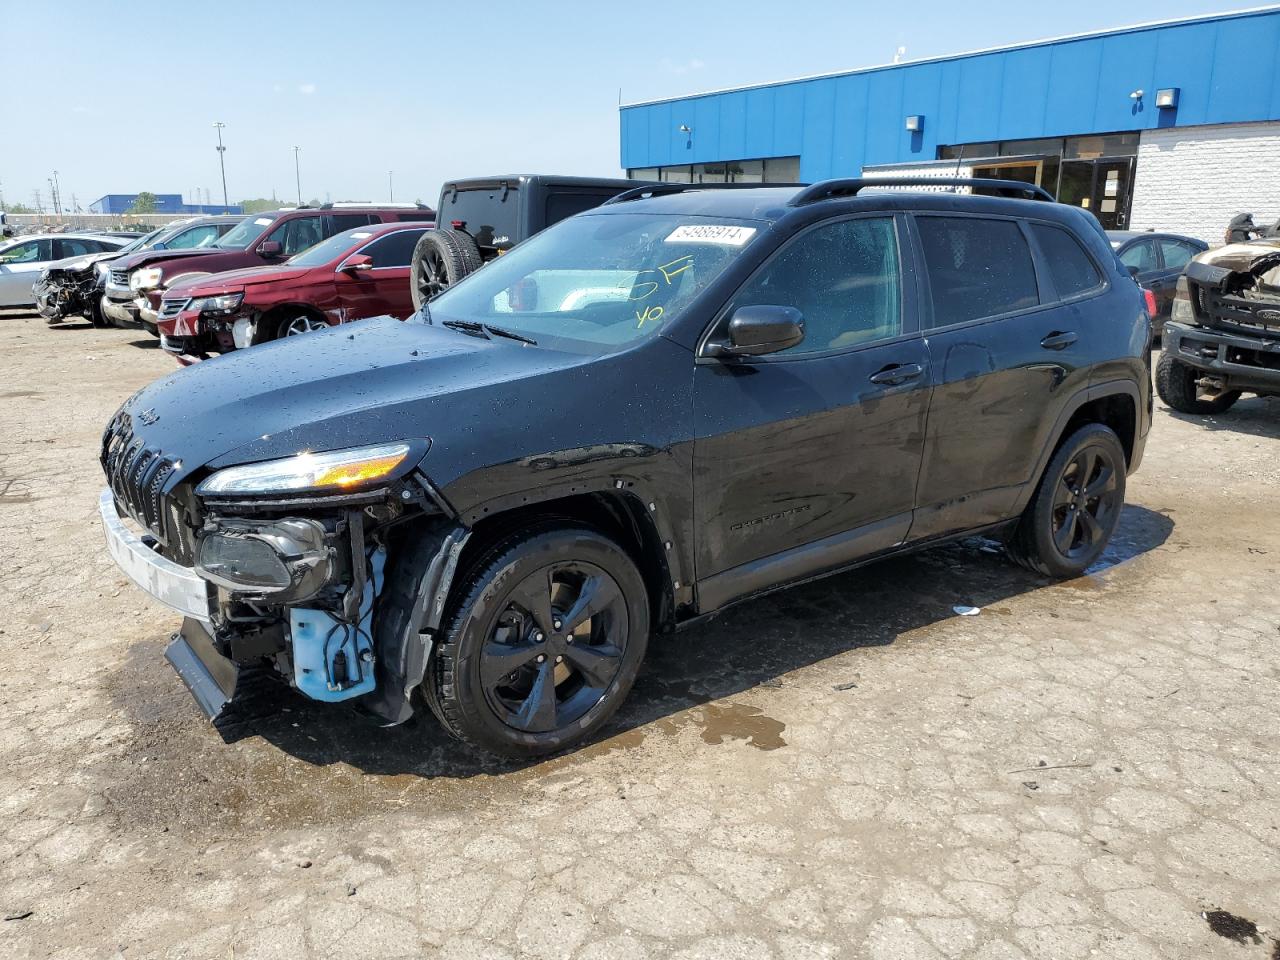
column 1111, row 388
column 410, row 610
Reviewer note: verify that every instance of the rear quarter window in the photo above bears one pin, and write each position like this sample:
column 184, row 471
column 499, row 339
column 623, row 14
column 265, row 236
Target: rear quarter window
column 1072, row 270
column 977, row 268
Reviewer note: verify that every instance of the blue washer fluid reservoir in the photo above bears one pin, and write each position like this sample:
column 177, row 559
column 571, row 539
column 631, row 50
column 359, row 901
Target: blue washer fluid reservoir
column 332, row 660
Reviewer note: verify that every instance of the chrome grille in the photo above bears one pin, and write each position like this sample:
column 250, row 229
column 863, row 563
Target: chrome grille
column 171, row 308
column 120, row 278
column 137, row 477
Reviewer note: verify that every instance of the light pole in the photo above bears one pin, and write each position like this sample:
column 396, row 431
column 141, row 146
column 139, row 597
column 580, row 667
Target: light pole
column 222, row 163
column 57, row 194
column 391, row 189
column 297, row 173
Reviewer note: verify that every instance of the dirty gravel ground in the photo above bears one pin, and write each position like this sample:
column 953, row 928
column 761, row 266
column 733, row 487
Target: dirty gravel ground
column 847, row 769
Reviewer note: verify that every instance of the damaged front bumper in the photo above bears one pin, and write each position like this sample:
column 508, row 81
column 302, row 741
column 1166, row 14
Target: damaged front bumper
column 304, row 590
column 1227, row 361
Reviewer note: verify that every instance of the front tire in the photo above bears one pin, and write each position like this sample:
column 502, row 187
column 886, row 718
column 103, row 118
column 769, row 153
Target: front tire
column 543, row 645
column 1076, row 507
column 1176, row 384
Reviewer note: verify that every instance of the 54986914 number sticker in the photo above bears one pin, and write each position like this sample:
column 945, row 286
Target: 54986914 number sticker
column 723, row 234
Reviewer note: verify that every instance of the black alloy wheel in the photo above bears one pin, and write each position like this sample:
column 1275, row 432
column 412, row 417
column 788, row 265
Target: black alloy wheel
column 556, row 648
column 1076, row 506
column 544, row 639
column 1083, row 503
column 432, row 273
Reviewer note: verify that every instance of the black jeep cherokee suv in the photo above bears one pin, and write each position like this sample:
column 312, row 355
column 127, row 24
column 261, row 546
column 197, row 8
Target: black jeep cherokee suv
column 678, row 400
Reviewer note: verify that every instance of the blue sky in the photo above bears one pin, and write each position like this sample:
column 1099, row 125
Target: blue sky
column 120, row 97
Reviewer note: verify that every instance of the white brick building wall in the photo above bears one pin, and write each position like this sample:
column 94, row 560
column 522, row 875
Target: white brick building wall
column 1193, row 180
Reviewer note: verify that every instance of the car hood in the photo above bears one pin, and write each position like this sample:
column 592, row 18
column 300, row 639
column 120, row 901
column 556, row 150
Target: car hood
column 85, row 261
column 146, row 257
column 234, row 280
column 367, row 382
column 1241, row 257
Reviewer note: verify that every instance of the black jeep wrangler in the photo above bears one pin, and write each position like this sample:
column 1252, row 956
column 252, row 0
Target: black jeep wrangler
column 484, row 217
column 1224, row 338
column 681, row 399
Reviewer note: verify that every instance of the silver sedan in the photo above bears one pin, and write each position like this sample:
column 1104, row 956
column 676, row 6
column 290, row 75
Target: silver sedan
column 22, row 259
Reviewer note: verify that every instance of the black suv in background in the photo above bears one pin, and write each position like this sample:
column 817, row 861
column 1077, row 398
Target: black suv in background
column 483, row 217
column 681, row 399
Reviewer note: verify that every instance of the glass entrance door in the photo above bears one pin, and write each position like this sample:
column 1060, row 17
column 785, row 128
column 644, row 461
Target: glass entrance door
column 1111, row 180
column 1101, row 186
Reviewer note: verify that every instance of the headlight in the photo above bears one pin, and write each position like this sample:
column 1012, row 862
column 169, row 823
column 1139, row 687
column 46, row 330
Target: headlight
column 218, row 306
column 147, row 278
column 339, row 469
column 1183, row 311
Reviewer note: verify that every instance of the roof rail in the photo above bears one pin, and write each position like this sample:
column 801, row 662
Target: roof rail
column 343, row 204
column 662, row 189
column 832, row 189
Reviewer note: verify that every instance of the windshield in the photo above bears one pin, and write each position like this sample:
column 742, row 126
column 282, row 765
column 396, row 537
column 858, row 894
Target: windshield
column 327, row 250
column 595, row 282
column 245, row 233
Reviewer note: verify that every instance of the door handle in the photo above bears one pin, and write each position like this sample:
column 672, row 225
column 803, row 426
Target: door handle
column 895, row 374
column 1059, row 341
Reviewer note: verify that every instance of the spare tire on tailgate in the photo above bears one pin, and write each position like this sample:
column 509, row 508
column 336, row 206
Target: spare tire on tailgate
column 441, row 258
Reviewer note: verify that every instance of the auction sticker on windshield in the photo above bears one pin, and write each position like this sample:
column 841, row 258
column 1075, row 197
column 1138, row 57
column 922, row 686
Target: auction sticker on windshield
column 725, row 234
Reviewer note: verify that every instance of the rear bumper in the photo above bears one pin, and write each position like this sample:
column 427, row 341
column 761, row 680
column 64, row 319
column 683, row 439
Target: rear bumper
column 1240, row 362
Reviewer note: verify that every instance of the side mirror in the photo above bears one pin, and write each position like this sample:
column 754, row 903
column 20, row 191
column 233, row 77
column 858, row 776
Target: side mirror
column 160, row 246
column 1133, row 272
column 760, row 329
column 269, row 248
column 357, row 263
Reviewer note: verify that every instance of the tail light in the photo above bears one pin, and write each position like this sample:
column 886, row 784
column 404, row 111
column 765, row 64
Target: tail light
column 1149, row 299
column 1183, row 310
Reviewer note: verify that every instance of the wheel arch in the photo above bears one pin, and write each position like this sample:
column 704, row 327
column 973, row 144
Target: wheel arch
column 1114, row 404
column 430, row 560
column 272, row 316
column 620, row 514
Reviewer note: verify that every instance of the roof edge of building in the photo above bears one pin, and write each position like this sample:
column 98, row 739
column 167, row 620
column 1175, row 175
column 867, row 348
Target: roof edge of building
column 1026, row 45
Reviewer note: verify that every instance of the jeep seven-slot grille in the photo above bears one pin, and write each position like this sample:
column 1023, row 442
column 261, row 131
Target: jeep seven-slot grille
column 120, row 278
column 137, row 477
column 171, row 308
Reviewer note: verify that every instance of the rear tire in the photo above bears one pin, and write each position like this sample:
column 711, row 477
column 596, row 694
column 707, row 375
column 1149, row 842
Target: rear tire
column 543, row 643
column 1176, row 384
column 1076, row 507
column 440, row 259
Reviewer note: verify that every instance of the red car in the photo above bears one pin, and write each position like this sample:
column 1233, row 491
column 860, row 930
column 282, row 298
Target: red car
column 359, row 273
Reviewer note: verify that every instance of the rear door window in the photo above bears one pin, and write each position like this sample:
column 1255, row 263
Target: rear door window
column 1141, row 256
column 977, row 268
column 346, row 221
column 393, row 250
column 75, row 247
column 1071, row 269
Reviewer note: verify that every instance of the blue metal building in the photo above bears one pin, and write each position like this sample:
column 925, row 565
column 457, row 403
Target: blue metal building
column 1074, row 114
column 165, row 203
